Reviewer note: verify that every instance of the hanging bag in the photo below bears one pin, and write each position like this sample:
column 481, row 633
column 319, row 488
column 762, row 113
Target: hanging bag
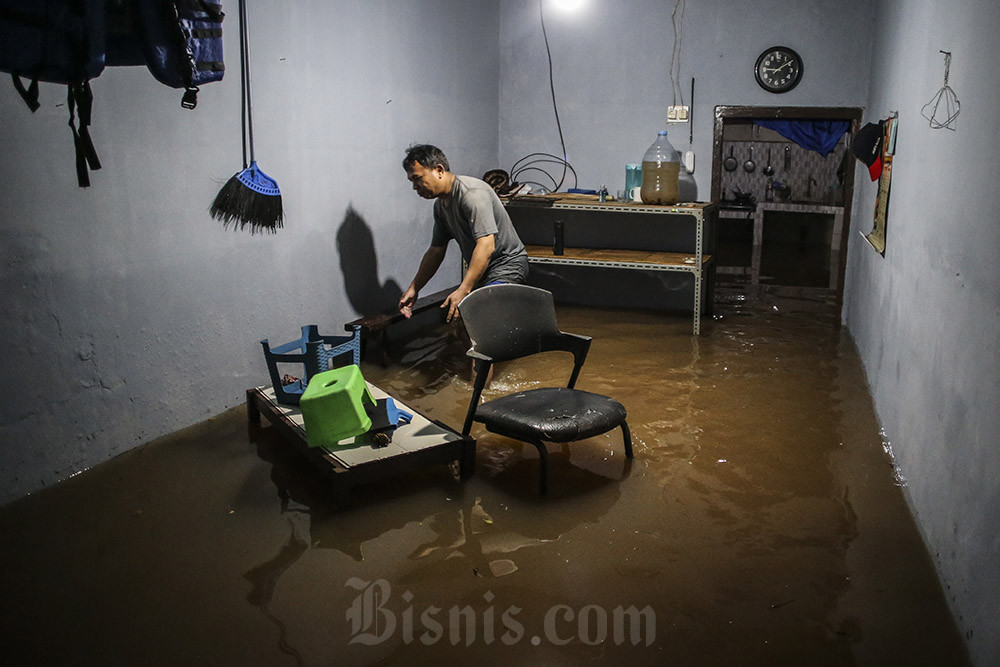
column 58, row 41
column 181, row 41
column 71, row 41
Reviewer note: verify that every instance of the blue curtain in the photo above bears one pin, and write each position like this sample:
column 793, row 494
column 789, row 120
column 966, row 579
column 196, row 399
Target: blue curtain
column 815, row 135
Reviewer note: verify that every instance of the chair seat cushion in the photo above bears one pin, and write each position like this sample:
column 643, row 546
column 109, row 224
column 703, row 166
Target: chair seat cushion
column 554, row 414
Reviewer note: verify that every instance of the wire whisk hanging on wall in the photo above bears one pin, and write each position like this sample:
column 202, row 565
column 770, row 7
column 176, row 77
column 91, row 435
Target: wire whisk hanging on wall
column 944, row 103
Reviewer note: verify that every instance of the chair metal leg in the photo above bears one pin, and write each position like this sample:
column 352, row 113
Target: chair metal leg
column 627, row 437
column 543, row 460
column 467, row 462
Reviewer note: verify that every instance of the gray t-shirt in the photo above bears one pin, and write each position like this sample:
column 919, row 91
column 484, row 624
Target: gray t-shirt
column 474, row 211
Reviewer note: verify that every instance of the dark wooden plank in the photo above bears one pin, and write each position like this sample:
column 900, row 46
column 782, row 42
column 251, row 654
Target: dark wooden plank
column 377, row 325
column 614, row 255
column 379, row 321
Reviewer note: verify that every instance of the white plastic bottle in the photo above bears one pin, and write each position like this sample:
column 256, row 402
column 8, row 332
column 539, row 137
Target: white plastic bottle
column 660, row 170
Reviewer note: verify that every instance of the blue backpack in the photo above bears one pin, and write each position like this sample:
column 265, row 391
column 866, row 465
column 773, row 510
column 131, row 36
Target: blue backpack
column 181, row 43
column 59, row 42
column 71, row 41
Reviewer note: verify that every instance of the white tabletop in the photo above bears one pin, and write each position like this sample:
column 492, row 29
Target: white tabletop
column 420, row 433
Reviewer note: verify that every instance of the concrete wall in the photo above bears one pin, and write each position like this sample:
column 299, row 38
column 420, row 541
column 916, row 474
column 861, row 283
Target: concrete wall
column 925, row 317
column 612, row 61
column 127, row 312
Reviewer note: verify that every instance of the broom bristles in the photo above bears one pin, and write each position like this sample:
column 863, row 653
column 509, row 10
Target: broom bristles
column 240, row 206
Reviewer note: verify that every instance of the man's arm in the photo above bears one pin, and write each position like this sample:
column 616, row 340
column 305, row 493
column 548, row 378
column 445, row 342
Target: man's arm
column 481, row 255
column 428, row 267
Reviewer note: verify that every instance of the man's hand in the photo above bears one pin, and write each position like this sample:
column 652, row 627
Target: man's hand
column 477, row 267
column 429, row 264
column 406, row 302
column 452, row 301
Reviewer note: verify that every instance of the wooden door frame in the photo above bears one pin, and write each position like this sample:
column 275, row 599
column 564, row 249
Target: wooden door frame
column 726, row 113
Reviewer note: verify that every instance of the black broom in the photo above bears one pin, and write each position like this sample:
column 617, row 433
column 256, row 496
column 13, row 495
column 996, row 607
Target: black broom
column 251, row 197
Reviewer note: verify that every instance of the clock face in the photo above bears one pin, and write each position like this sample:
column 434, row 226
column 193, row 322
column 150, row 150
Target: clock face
column 778, row 69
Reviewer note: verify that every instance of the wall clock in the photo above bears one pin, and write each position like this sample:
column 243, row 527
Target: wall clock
column 778, row 69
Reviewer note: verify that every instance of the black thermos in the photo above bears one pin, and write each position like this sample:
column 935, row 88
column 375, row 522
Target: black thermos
column 557, row 243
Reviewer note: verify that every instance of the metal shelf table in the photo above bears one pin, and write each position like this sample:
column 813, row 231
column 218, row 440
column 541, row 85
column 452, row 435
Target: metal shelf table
column 661, row 247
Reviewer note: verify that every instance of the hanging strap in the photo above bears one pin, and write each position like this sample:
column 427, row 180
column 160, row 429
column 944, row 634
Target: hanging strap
column 29, row 94
column 183, row 37
column 180, row 36
column 79, row 98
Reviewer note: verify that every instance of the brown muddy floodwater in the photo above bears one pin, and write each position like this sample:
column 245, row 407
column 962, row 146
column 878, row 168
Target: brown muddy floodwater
column 760, row 523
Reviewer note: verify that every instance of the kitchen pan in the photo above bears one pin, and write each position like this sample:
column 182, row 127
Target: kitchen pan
column 749, row 165
column 730, row 163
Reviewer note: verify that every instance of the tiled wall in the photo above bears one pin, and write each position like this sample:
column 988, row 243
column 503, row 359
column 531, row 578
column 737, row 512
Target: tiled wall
column 803, row 165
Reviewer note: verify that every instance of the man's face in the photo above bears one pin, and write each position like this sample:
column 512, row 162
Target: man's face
column 428, row 183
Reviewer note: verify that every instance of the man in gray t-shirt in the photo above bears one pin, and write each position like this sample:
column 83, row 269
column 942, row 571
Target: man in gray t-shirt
column 468, row 210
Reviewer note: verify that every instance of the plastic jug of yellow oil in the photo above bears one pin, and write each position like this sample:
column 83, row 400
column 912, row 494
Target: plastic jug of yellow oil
column 660, row 169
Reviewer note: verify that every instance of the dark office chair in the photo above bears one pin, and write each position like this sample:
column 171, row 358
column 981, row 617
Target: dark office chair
column 507, row 322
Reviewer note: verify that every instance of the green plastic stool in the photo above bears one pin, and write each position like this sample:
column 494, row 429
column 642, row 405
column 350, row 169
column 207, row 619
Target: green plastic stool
column 333, row 406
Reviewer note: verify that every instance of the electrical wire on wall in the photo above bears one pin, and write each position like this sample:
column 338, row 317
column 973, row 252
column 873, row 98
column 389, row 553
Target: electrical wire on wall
column 552, row 89
column 677, row 19
column 526, row 163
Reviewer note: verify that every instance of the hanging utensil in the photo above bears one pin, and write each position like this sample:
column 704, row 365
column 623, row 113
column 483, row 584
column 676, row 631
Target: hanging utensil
column 730, row 163
column 788, row 158
column 749, row 165
column 768, row 170
column 944, row 107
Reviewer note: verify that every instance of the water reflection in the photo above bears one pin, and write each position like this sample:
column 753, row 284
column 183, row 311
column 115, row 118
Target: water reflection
column 265, row 577
column 469, row 526
column 760, row 520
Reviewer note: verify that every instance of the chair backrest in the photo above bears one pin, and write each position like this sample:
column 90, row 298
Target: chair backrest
column 509, row 321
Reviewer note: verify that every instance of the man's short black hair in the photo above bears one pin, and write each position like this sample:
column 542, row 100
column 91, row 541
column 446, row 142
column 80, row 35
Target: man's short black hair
column 428, row 156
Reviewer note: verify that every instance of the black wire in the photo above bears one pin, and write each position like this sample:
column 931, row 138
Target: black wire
column 552, row 88
column 518, row 167
column 524, row 169
column 549, row 155
column 531, row 166
column 532, row 183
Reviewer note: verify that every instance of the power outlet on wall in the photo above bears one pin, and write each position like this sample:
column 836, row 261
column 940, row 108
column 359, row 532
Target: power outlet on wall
column 678, row 114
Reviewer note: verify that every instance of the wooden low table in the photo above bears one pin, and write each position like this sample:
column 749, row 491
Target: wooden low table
column 355, row 461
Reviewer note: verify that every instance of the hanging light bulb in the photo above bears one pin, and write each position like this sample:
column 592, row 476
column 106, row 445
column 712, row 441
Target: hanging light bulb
column 567, row 5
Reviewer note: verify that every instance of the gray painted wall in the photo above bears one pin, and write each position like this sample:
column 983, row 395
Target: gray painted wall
column 127, row 312
column 925, row 317
column 611, row 64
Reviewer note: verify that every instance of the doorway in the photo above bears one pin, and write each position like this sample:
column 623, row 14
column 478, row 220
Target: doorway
column 771, row 188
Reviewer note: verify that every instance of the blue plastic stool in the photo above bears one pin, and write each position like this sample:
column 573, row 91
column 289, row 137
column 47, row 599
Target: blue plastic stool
column 312, row 350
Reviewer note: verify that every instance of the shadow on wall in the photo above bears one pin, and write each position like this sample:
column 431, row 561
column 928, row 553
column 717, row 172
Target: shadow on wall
column 359, row 265
column 687, row 189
